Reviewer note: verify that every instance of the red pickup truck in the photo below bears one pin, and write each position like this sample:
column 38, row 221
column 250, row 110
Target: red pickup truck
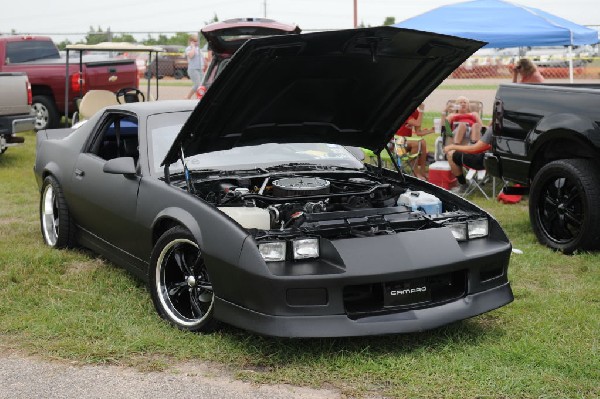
column 41, row 60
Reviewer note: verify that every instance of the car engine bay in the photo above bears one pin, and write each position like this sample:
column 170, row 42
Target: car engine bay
column 332, row 205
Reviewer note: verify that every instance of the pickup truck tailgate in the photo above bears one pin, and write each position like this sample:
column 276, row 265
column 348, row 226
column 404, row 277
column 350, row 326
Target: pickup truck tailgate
column 13, row 94
column 112, row 74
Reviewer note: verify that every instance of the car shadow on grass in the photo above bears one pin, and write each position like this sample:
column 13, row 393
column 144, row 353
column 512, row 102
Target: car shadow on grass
column 472, row 332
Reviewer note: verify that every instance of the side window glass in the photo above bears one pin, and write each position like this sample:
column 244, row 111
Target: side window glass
column 118, row 137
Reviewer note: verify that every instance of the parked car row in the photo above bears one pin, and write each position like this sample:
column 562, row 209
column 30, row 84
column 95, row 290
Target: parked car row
column 40, row 59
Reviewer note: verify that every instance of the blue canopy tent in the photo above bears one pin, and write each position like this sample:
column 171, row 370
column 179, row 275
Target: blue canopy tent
column 502, row 24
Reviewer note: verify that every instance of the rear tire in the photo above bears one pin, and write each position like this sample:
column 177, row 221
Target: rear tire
column 58, row 229
column 46, row 115
column 178, row 74
column 563, row 205
column 179, row 283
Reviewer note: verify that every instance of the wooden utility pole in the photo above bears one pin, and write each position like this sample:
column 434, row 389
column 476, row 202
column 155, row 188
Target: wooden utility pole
column 355, row 14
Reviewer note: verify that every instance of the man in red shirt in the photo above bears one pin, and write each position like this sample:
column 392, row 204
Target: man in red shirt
column 468, row 155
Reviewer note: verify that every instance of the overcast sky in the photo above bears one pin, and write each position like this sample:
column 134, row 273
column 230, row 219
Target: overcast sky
column 68, row 16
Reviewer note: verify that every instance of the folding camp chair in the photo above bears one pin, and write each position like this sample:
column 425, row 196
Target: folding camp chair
column 407, row 160
column 477, row 180
column 447, row 130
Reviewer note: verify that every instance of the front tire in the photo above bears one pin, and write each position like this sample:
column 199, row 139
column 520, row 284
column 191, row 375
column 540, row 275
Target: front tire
column 46, row 115
column 563, row 205
column 179, row 283
column 58, row 229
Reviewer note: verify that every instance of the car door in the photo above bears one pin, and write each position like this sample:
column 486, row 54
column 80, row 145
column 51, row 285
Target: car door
column 105, row 204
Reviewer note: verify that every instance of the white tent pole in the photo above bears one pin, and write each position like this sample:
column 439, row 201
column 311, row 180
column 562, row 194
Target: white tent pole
column 570, row 55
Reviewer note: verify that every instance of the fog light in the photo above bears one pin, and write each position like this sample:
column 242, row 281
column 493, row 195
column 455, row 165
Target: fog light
column 305, row 248
column 459, row 231
column 478, row 228
column 273, row 251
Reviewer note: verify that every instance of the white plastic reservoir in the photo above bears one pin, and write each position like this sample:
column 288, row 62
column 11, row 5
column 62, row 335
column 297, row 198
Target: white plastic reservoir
column 421, row 201
column 249, row 217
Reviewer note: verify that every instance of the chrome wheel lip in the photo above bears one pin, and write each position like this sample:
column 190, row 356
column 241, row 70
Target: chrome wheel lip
column 162, row 292
column 49, row 216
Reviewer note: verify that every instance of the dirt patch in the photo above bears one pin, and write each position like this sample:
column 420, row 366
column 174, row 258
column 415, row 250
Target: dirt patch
column 84, row 267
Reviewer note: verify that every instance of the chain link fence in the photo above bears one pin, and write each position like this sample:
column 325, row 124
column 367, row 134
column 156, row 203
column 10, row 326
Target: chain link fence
column 551, row 66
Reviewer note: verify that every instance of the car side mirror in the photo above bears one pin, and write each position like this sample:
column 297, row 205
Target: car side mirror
column 120, row 166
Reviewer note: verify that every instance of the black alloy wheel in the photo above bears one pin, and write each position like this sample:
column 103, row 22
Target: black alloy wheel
column 180, row 286
column 563, row 205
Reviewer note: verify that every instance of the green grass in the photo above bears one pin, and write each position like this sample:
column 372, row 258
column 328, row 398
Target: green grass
column 75, row 306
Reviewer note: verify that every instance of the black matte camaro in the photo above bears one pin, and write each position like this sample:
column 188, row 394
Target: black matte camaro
column 250, row 208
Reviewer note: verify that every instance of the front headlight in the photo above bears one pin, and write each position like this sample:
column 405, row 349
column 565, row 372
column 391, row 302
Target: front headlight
column 459, row 230
column 469, row 229
column 272, row 251
column 306, row 248
column 478, row 228
column 302, row 248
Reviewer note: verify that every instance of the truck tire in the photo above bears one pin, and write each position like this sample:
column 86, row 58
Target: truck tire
column 46, row 115
column 178, row 74
column 563, row 205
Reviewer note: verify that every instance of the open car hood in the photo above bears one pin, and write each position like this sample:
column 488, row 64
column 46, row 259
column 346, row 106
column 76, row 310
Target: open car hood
column 351, row 87
column 228, row 36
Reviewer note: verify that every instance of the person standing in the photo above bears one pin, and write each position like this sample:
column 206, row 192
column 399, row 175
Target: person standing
column 528, row 71
column 194, row 57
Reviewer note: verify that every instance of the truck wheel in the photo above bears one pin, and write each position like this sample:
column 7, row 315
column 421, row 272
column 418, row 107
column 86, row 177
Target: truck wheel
column 563, row 205
column 178, row 74
column 46, row 115
column 179, row 283
column 58, row 229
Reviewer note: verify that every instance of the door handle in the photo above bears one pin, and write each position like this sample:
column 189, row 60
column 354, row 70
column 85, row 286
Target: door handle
column 79, row 173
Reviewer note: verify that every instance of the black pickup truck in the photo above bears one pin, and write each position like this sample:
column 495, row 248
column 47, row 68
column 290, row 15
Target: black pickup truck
column 547, row 139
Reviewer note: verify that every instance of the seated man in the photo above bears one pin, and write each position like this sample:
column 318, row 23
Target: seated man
column 410, row 126
column 470, row 155
column 464, row 123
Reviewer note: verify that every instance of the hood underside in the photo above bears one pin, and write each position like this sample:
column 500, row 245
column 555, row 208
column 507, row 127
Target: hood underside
column 228, row 36
column 351, row 87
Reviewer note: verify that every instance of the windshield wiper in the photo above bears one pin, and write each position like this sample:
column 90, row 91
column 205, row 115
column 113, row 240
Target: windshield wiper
column 336, row 167
column 311, row 166
column 293, row 165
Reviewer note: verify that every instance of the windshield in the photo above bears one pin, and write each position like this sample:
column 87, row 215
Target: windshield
column 300, row 155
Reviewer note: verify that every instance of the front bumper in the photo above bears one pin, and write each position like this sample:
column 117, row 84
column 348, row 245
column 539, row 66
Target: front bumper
column 341, row 326
column 348, row 292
